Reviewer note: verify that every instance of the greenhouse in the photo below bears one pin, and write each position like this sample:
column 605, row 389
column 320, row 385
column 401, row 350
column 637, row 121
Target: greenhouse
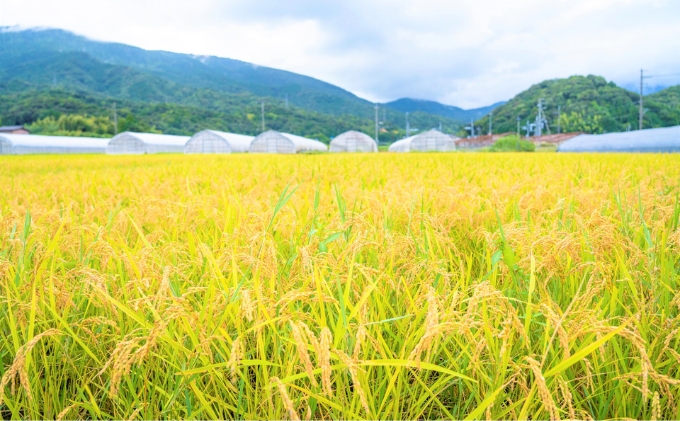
column 665, row 139
column 141, row 143
column 272, row 141
column 353, row 141
column 212, row 141
column 20, row 144
column 431, row 140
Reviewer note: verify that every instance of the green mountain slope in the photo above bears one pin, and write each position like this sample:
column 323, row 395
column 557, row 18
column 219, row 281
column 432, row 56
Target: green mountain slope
column 588, row 104
column 431, row 107
column 665, row 104
column 40, row 69
column 214, row 73
column 30, row 106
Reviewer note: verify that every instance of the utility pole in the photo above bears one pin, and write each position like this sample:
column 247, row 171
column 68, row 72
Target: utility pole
column 539, row 118
column 518, row 133
column 376, row 122
column 262, row 104
column 490, row 123
column 115, row 119
column 408, row 128
column 640, row 112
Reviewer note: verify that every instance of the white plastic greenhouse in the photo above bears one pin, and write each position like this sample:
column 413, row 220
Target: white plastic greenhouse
column 212, row 141
column 648, row 140
column 272, row 141
column 141, row 143
column 20, row 144
column 353, row 141
column 431, row 140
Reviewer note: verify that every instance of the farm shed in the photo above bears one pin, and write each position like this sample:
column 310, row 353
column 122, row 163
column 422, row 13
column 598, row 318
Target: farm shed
column 272, row 141
column 21, row 144
column 431, row 140
column 212, row 141
column 141, row 143
column 353, row 141
column 665, row 139
column 14, row 130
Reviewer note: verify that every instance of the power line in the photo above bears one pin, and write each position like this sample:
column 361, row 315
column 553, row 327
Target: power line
column 641, row 111
column 668, row 74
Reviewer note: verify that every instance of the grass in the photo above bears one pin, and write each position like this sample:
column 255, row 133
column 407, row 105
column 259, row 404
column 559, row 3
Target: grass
column 512, row 143
column 392, row 286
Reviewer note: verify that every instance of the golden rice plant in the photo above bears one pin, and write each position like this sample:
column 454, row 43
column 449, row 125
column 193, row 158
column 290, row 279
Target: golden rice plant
column 418, row 286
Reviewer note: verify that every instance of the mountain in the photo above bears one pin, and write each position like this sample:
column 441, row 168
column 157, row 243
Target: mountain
column 206, row 72
column 409, row 105
column 41, row 107
column 587, row 103
column 41, row 68
column 669, row 96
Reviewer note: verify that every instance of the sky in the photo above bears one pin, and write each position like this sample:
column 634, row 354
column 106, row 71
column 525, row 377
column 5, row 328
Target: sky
column 468, row 53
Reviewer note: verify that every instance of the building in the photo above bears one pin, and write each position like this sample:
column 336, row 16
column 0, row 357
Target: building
column 353, row 141
column 486, row 141
column 272, row 141
column 479, row 142
column 212, row 141
column 146, row 143
column 665, row 139
column 22, row 144
column 431, row 140
column 14, row 130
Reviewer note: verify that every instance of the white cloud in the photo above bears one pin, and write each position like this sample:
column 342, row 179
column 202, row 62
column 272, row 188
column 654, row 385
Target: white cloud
column 467, row 53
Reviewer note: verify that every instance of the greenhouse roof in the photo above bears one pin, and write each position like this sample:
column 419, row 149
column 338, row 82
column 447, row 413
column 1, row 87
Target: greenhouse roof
column 428, row 140
column 665, row 139
column 157, row 139
column 233, row 138
column 301, row 143
column 353, row 141
column 300, row 139
column 399, row 144
column 38, row 141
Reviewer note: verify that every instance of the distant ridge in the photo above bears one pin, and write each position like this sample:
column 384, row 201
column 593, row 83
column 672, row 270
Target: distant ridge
column 410, row 105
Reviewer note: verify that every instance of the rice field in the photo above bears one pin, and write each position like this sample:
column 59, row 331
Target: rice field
column 416, row 286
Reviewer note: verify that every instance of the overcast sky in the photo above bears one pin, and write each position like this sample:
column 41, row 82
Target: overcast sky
column 468, row 53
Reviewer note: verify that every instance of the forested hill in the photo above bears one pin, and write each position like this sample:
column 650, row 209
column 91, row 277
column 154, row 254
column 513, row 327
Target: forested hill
column 588, row 104
column 39, row 47
column 49, row 73
column 78, row 113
